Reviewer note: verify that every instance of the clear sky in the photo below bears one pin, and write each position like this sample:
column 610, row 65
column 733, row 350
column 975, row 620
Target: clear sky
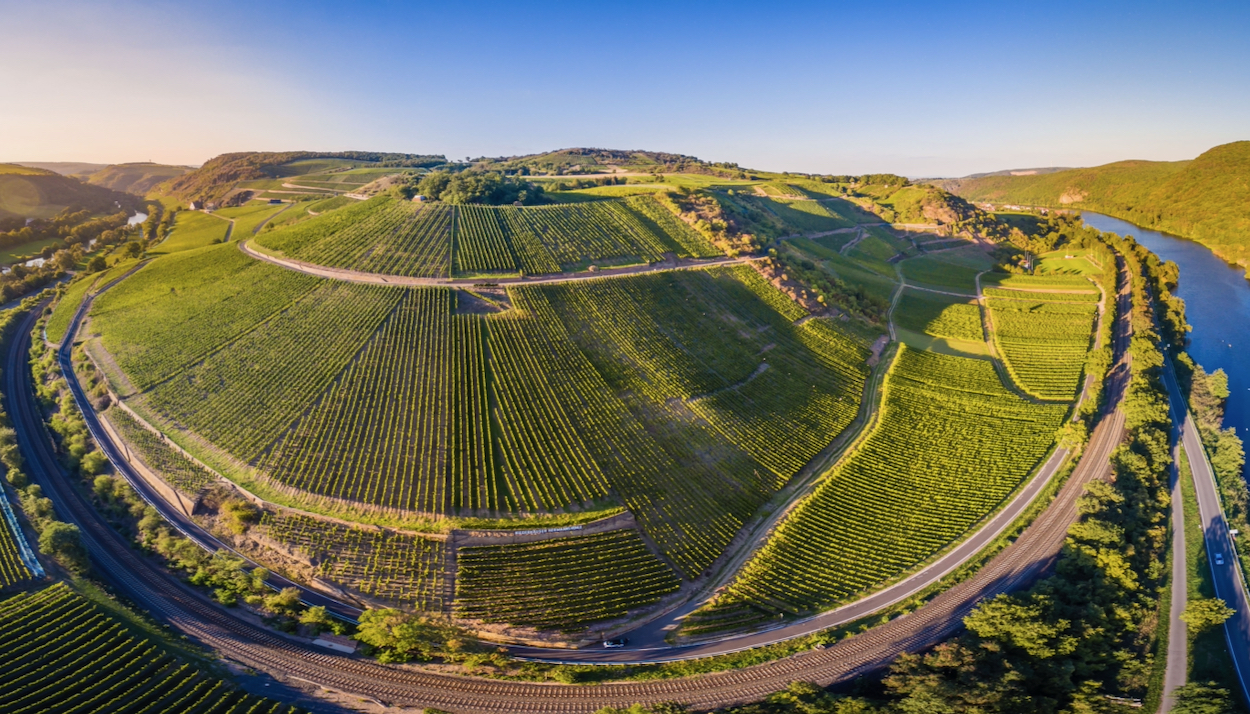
column 918, row 88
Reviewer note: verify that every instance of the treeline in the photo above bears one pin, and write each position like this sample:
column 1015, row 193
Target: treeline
column 482, row 187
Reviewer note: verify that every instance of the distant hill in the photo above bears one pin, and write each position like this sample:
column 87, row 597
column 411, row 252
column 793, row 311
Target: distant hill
column 584, row 160
column 137, row 178
column 217, row 179
column 65, row 168
column 30, row 192
column 1022, row 172
column 1206, row 199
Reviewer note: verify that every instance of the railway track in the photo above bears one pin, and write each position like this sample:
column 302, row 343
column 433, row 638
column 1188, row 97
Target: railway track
column 238, row 639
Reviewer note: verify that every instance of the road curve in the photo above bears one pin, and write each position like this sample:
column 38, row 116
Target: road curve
column 357, row 276
column 1228, row 579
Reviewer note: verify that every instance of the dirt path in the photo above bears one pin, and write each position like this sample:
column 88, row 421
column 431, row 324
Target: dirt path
column 356, row 276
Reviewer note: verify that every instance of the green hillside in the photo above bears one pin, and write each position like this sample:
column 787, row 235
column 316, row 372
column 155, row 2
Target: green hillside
column 1206, row 199
column 29, row 192
column 217, row 179
column 137, row 178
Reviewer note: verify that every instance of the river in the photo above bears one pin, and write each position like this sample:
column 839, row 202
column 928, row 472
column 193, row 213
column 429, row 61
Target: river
column 1217, row 305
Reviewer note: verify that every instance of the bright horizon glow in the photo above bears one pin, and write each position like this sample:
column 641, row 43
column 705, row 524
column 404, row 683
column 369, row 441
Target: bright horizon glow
column 920, row 89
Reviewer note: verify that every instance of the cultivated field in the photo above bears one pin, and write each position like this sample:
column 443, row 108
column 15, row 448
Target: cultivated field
column 951, row 444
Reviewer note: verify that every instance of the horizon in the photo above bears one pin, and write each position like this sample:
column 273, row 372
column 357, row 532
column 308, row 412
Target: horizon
column 913, row 90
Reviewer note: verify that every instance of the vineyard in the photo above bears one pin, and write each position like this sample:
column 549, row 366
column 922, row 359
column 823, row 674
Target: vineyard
column 13, row 569
column 1043, row 344
column 402, row 569
column 394, row 237
column 951, row 444
column 690, row 396
column 181, row 473
column 566, row 583
column 62, row 653
column 174, row 312
column 940, row 315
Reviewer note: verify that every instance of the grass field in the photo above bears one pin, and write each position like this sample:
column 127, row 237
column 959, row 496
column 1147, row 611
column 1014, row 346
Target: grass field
column 192, row 229
column 951, row 444
column 25, row 251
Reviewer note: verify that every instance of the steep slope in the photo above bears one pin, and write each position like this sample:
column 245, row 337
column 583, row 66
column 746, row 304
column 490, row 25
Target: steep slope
column 137, row 178
column 1206, row 199
column 215, row 180
column 28, row 192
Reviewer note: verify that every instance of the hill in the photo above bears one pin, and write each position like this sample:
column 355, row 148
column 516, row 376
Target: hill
column 137, row 178
column 217, row 181
column 65, row 168
column 593, row 161
column 1206, row 199
column 28, row 192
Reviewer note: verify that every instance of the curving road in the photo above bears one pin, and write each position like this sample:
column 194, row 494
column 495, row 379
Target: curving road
column 1228, row 579
column 358, row 276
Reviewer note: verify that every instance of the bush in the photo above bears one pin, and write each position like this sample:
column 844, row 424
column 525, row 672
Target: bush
column 63, row 543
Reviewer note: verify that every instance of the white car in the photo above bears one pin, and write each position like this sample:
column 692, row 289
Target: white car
column 613, row 644
column 1219, row 558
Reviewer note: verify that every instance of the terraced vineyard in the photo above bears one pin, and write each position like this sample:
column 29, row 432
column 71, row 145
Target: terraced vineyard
column 62, row 653
column 389, row 236
column 181, row 473
column 1043, row 344
column 565, row 583
column 951, row 444
column 337, row 395
column 940, row 315
column 13, row 569
column 402, row 569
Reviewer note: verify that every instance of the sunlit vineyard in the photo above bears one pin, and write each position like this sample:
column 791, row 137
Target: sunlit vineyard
column 181, row 473
column 63, row 653
column 68, row 304
column 390, row 236
column 668, row 393
column 399, row 568
column 1043, row 344
column 565, row 583
column 939, row 315
column 13, row 569
column 951, row 444
column 171, row 314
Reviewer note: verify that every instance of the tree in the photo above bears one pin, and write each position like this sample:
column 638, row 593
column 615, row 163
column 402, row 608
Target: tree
column 63, row 542
column 284, row 602
column 401, row 636
column 1198, row 698
column 1205, row 613
column 97, row 264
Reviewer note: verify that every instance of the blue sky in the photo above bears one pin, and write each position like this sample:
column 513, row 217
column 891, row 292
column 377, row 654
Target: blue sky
column 923, row 89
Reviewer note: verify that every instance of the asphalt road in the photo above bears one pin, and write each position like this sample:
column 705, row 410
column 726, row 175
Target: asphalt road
column 1230, row 585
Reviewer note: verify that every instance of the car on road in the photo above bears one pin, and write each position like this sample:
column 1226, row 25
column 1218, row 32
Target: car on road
column 1219, row 558
column 615, row 643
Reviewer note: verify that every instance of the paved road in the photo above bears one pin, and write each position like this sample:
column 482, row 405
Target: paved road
column 1230, row 585
column 357, row 276
column 1176, row 673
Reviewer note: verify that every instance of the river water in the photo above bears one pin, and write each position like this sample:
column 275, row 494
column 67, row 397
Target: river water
column 1217, row 305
